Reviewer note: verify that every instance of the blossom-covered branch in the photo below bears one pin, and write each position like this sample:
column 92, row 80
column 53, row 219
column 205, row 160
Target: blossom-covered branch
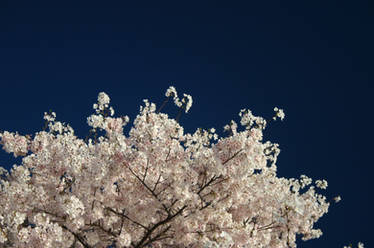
column 154, row 187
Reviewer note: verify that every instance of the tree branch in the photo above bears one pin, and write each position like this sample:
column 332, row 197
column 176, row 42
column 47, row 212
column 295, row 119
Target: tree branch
column 125, row 216
column 149, row 232
column 78, row 237
column 233, row 156
column 152, row 192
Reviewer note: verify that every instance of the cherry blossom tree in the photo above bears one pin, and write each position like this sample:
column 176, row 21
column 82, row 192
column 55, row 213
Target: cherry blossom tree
column 156, row 187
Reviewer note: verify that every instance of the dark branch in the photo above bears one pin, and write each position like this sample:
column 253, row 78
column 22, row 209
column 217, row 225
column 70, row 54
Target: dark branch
column 125, row 216
column 233, row 156
column 78, row 237
column 150, row 190
column 163, row 105
column 149, row 232
column 159, row 236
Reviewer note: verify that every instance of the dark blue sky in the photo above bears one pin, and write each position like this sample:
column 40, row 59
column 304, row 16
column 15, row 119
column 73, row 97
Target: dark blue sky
column 311, row 58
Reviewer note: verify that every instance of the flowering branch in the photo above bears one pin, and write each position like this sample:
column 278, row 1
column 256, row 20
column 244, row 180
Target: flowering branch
column 156, row 186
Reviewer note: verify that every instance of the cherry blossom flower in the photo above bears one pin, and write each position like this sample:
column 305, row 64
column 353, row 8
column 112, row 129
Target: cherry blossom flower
column 337, row 199
column 279, row 113
column 157, row 186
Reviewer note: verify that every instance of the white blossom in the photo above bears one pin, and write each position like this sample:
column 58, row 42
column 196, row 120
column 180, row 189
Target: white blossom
column 279, row 113
column 74, row 207
column 156, row 180
column 171, row 92
column 124, row 239
column 322, row 184
column 103, row 98
column 359, row 245
column 96, row 121
column 337, row 199
column 187, row 100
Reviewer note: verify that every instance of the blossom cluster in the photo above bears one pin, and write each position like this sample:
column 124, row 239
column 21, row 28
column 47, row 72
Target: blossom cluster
column 186, row 101
column 156, row 187
column 359, row 245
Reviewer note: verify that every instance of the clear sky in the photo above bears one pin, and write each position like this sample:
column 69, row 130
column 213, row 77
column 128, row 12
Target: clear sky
column 312, row 58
